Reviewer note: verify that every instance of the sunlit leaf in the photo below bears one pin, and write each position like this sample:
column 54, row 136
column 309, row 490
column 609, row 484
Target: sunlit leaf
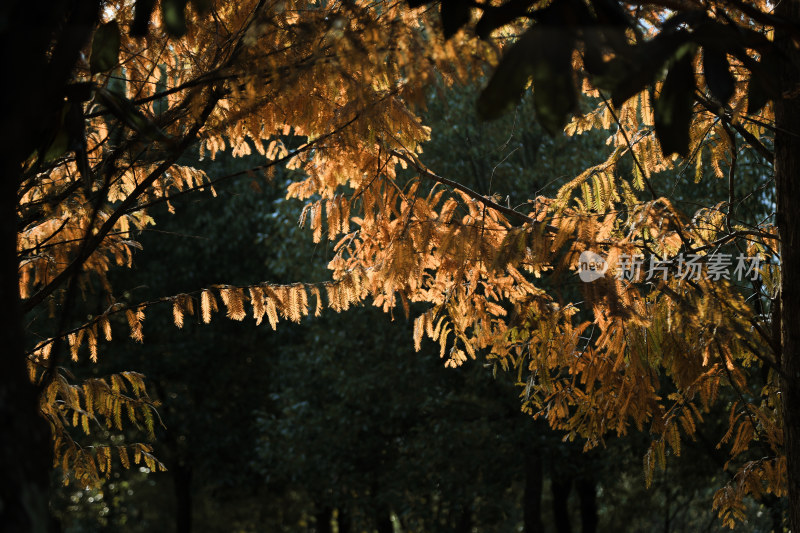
column 673, row 109
column 105, row 47
column 718, row 75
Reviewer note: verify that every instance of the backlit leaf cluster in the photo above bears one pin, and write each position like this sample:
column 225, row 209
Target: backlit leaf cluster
column 334, row 91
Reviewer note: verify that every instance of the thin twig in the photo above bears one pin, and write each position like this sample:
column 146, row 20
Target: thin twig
column 93, row 241
column 630, row 146
column 424, row 172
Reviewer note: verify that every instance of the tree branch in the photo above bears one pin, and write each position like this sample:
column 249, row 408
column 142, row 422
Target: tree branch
column 97, row 238
column 751, row 139
column 257, row 168
column 424, row 172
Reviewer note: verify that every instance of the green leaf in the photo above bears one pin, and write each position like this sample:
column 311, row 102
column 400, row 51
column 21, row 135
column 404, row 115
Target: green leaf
column 553, row 85
column 718, row 75
column 58, row 144
column 173, row 12
column 105, row 48
column 496, row 16
column 542, row 54
column 763, row 86
column 673, row 109
column 604, row 31
column 509, row 79
column 58, row 147
column 142, row 13
column 455, row 14
column 126, row 111
column 757, row 97
column 611, row 13
column 731, row 38
column 594, row 40
column 636, row 67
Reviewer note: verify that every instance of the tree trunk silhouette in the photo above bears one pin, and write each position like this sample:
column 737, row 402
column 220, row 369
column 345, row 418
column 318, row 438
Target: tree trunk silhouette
column 787, row 184
column 464, row 523
column 585, row 488
column 383, row 519
column 25, row 445
column 532, row 497
column 343, row 521
column 561, row 488
column 182, row 479
column 33, row 91
column 323, row 517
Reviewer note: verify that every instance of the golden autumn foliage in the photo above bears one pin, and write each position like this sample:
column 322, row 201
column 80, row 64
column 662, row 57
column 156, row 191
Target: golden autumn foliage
column 351, row 78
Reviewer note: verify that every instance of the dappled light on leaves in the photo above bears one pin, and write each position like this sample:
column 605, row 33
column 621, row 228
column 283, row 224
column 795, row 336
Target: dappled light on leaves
column 334, row 92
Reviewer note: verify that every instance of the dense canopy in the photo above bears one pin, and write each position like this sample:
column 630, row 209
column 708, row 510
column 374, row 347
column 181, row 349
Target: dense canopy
column 692, row 310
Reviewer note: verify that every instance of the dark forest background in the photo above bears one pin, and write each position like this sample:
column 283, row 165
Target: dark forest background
column 336, row 424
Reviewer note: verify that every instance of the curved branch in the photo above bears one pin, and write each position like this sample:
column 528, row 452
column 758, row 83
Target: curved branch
column 97, row 238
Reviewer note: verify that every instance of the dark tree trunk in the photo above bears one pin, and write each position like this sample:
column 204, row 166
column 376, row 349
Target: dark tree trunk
column 180, row 467
column 787, row 182
column 25, row 447
column 532, row 497
column 343, row 521
column 31, row 92
column 775, row 510
column 323, row 519
column 383, row 521
column 561, row 489
column 464, row 523
column 182, row 479
column 588, row 497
